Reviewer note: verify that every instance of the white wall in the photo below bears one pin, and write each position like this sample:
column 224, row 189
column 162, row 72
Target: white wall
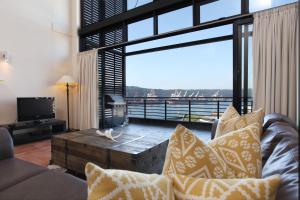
column 37, row 34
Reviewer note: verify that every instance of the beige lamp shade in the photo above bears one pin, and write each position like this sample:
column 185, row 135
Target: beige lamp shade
column 66, row 79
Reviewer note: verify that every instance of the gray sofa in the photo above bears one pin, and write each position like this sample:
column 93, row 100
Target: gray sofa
column 26, row 181
column 280, row 153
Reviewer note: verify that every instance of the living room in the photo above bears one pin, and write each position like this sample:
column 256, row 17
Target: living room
column 142, row 99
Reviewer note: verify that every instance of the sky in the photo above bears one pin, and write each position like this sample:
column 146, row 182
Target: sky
column 207, row 66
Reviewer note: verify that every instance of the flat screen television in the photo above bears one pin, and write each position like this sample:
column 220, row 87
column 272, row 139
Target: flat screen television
column 35, row 108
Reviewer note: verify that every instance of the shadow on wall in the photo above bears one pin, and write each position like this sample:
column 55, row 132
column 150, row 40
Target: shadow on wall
column 10, row 90
column 8, row 102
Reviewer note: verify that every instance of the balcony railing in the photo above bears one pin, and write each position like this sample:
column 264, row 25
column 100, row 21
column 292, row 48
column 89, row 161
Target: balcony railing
column 187, row 109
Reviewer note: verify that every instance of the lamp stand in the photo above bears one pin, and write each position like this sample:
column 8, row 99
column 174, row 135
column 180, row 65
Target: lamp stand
column 68, row 108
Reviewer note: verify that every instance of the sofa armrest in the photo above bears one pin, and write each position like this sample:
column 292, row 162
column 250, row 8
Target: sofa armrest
column 6, row 144
column 214, row 128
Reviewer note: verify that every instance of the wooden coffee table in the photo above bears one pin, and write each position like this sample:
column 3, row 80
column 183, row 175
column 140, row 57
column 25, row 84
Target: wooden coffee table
column 133, row 151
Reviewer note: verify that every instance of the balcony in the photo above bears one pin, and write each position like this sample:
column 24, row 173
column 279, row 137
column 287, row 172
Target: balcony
column 180, row 109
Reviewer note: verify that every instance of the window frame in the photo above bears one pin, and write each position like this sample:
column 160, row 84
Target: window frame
column 123, row 18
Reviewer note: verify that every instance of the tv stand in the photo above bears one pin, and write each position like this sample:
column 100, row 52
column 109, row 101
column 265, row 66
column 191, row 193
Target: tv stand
column 23, row 132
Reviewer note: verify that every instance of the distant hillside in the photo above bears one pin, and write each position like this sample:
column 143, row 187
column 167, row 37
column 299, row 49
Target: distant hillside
column 133, row 91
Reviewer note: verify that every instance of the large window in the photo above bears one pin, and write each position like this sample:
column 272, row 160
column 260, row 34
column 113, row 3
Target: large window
column 206, row 66
column 198, row 35
column 219, row 9
column 202, row 72
column 214, row 62
column 175, row 20
column 140, row 29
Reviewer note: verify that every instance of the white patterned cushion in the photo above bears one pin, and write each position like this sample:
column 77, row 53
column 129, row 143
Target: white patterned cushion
column 121, row 184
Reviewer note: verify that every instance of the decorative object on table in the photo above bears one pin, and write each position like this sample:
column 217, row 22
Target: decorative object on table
column 108, row 134
column 67, row 81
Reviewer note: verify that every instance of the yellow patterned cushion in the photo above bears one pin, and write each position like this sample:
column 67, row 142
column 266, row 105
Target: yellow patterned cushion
column 240, row 150
column 189, row 155
column 231, row 120
column 226, row 189
column 235, row 155
column 121, row 184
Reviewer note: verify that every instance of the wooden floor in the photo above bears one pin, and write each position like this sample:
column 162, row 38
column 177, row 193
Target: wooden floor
column 38, row 152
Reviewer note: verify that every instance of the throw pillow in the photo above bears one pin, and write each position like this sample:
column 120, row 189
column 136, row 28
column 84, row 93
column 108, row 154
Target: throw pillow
column 231, row 120
column 189, row 155
column 238, row 189
column 241, row 152
column 121, row 184
column 236, row 155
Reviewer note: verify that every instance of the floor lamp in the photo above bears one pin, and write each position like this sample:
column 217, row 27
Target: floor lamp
column 67, row 81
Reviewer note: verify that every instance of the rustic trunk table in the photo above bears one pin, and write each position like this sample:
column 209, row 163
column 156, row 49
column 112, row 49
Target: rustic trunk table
column 133, row 151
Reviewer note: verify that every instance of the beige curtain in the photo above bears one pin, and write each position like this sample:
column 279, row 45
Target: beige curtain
column 275, row 60
column 86, row 97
